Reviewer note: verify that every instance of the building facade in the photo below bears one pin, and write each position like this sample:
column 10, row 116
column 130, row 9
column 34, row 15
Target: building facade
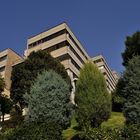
column 8, row 58
column 61, row 43
column 111, row 80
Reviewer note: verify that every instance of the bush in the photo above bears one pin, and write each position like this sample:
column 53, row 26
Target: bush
column 131, row 132
column 33, row 131
column 92, row 98
column 99, row 134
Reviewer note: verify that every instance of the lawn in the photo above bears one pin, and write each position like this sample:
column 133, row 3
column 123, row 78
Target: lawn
column 116, row 120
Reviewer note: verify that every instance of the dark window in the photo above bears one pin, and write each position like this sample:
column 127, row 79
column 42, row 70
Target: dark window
column 71, row 48
column 3, row 58
column 78, row 47
column 2, row 69
column 75, row 64
column 55, row 47
column 45, row 39
column 63, row 57
column 97, row 61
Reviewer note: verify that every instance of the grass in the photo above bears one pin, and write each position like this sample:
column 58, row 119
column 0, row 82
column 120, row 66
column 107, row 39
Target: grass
column 116, row 121
column 70, row 132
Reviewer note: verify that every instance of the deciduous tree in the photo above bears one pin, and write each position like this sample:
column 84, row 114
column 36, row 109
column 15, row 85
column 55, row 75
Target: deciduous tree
column 92, row 98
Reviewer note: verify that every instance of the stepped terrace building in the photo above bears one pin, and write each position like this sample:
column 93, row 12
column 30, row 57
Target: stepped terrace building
column 8, row 58
column 111, row 80
column 61, row 43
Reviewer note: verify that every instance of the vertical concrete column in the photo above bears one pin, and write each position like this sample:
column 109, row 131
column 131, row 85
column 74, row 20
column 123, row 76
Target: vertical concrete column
column 73, row 86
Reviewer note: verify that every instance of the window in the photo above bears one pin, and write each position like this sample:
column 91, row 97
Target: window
column 2, row 69
column 45, row 39
column 55, row 47
column 3, row 58
column 97, row 61
column 77, row 46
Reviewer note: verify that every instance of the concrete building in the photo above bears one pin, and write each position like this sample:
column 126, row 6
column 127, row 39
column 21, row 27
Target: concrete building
column 61, row 43
column 111, row 81
column 7, row 58
column 116, row 75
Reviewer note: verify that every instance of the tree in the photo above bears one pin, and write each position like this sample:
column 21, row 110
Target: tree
column 49, row 100
column 92, row 98
column 131, row 91
column 6, row 105
column 24, row 74
column 132, row 44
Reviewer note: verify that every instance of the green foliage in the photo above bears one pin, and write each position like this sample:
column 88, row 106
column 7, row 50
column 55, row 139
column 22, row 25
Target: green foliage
column 24, row 74
column 117, row 102
column 16, row 116
column 33, row 131
column 116, row 120
column 131, row 91
column 132, row 44
column 92, row 99
column 6, row 105
column 100, row 134
column 131, row 132
column 49, row 100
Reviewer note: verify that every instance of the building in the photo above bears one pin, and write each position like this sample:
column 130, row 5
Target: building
column 61, row 43
column 116, row 75
column 7, row 58
column 111, row 81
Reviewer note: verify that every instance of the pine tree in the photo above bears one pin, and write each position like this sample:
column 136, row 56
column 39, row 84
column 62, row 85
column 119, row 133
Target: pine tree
column 131, row 91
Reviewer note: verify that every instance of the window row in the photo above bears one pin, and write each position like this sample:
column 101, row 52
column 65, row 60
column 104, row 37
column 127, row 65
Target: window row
column 3, row 58
column 45, row 39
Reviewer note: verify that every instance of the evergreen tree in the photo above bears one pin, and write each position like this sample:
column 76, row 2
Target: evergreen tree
column 131, row 91
column 49, row 100
column 92, row 98
column 24, row 74
column 132, row 44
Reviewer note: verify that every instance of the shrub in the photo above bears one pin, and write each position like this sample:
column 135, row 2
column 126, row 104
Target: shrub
column 99, row 134
column 33, row 131
column 131, row 132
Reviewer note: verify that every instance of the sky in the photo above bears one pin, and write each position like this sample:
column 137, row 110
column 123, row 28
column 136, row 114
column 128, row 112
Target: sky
column 100, row 25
